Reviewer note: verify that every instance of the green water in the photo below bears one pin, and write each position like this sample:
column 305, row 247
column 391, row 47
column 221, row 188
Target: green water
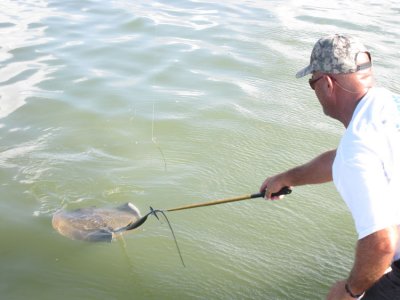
column 167, row 103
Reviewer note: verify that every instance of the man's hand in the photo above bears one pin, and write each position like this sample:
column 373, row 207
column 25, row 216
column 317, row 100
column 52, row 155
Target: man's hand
column 273, row 185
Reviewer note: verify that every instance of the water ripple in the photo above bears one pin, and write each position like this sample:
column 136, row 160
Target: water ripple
column 21, row 73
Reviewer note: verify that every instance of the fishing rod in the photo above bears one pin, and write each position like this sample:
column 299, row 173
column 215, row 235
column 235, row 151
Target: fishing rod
column 284, row 191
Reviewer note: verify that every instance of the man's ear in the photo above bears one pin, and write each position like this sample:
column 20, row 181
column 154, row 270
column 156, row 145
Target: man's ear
column 329, row 85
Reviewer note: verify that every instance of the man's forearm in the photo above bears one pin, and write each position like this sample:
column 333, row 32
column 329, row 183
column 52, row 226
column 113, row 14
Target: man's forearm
column 374, row 253
column 318, row 170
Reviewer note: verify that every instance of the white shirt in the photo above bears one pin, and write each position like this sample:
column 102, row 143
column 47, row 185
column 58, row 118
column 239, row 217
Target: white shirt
column 366, row 170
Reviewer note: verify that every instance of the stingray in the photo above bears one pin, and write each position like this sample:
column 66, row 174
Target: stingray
column 95, row 224
column 103, row 224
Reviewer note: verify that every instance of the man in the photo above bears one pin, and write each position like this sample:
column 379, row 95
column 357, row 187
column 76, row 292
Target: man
column 365, row 167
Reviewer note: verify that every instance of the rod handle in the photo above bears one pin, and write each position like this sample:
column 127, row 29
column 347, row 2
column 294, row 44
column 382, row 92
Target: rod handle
column 284, row 191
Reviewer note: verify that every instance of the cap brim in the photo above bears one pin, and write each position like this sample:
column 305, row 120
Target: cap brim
column 303, row 72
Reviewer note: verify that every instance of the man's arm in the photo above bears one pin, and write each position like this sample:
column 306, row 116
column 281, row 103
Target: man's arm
column 318, row 170
column 374, row 253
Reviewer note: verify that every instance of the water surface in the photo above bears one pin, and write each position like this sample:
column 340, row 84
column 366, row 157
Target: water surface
column 166, row 103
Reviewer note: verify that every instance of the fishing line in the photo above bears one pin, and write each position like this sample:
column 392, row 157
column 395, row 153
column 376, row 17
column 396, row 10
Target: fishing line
column 153, row 139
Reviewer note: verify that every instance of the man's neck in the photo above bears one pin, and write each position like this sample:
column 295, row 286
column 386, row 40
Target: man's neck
column 350, row 107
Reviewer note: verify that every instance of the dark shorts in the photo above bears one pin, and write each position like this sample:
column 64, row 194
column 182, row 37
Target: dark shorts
column 388, row 287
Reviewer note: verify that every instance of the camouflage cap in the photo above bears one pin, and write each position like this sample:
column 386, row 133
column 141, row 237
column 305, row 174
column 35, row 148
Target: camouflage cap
column 335, row 54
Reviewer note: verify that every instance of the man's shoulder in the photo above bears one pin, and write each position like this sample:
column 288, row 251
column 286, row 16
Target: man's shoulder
column 381, row 94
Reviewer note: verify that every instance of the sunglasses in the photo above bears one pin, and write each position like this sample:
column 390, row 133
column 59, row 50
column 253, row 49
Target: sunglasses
column 312, row 82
